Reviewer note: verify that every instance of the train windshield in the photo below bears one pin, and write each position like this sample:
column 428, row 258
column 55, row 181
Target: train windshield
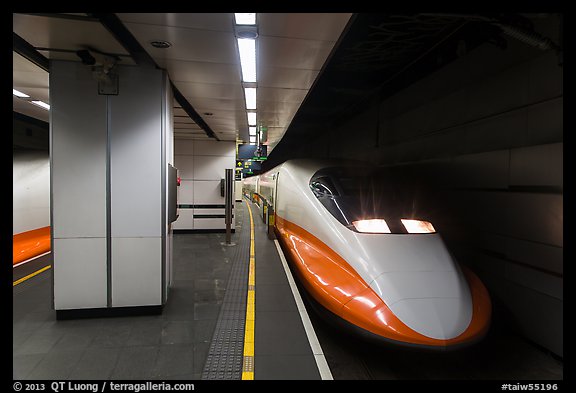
column 370, row 200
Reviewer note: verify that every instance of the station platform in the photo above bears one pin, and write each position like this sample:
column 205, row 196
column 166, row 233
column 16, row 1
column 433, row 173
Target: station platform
column 223, row 321
column 206, row 330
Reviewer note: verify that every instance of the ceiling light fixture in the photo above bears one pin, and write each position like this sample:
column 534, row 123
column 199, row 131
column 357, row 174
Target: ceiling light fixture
column 247, row 49
column 41, row 104
column 245, row 18
column 160, row 44
column 19, row 94
column 246, row 33
column 250, row 94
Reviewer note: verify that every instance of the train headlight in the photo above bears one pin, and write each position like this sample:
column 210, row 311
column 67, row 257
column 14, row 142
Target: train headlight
column 376, row 225
column 418, row 226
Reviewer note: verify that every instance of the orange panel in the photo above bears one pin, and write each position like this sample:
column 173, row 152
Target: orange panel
column 29, row 244
column 339, row 288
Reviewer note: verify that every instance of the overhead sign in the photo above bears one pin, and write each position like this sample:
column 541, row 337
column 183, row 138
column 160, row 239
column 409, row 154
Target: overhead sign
column 263, row 134
column 261, row 153
column 250, row 167
column 246, row 151
column 252, row 152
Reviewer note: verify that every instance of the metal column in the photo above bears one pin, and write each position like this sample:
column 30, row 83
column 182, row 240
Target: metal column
column 229, row 199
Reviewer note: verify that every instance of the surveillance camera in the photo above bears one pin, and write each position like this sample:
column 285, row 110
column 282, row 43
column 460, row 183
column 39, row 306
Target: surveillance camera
column 86, row 57
column 93, row 57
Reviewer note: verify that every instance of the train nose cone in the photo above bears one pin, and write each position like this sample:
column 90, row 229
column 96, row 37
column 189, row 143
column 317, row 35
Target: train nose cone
column 436, row 304
column 439, row 318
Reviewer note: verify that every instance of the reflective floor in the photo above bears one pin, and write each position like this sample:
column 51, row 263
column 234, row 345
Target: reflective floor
column 172, row 345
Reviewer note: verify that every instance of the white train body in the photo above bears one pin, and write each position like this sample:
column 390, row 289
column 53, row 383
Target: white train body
column 402, row 287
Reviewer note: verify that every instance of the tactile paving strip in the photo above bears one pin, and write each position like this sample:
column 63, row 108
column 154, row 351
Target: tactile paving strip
column 225, row 355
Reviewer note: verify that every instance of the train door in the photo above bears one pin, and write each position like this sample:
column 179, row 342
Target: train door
column 276, row 191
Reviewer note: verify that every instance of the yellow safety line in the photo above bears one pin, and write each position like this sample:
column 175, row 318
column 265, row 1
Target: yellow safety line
column 248, row 360
column 30, row 275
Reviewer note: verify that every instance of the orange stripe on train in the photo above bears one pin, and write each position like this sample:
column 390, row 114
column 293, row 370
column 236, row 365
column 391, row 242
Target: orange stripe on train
column 339, row 288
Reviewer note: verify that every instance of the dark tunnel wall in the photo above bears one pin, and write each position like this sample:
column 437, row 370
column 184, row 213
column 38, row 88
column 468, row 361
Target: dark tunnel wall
column 487, row 132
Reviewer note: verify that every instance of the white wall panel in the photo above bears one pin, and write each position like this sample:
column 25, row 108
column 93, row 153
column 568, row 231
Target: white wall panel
column 168, row 151
column 136, row 165
column 214, row 148
column 30, row 191
column 186, row 192
column 209, row 223
column 169, row 121
column 185, row 166
column 238, row 191
column 212, row 167
column 185, row 220
column 207, row 192
column 133, row 130
column 136, row 271
column 184, row 146
column 79, row 273
column 78, row 143
column 204, row 163
column 218, row 210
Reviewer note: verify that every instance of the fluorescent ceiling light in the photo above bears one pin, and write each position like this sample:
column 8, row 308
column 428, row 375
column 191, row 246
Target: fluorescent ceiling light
column 247, row 49
column 245, row 19
column 41, row 104
column 252, row 143
column 251, row 118
column 252, row 131
column 19, row 94
column 250, row 94
column 253, row 139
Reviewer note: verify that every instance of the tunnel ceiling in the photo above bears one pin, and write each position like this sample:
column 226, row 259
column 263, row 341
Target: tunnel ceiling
column 318, row 69
column 198, row 52
column 381, row 54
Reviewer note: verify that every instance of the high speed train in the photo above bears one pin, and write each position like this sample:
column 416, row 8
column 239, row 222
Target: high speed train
column 367, row 256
